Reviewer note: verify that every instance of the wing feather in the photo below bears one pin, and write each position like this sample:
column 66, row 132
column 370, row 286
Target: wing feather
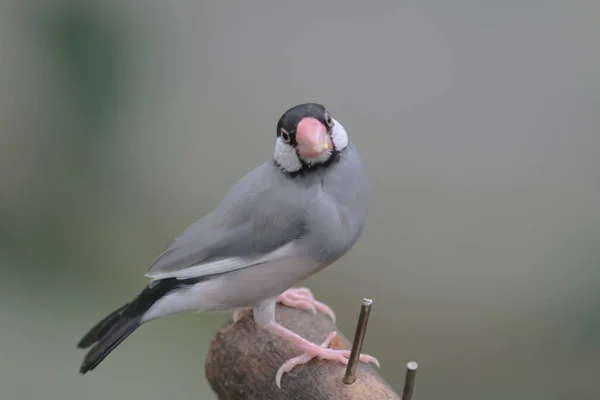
column 223, row 265
column 259, row 220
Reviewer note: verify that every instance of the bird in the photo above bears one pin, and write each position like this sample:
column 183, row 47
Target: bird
column 287, row 219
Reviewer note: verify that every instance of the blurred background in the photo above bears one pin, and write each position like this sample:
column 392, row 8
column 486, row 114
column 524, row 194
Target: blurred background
column 123, row 121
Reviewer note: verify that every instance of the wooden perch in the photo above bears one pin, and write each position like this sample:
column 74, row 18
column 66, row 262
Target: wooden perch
column 243, row 360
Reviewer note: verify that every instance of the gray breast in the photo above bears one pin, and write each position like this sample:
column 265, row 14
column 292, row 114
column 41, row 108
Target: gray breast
column 339, row 212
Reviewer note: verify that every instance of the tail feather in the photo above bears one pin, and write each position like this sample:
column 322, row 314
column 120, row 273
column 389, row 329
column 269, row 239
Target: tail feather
column 101, row 328
column 119, row 324
column 120, row 330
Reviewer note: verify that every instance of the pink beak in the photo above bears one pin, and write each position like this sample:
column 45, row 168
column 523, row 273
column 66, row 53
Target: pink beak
column 312, row 138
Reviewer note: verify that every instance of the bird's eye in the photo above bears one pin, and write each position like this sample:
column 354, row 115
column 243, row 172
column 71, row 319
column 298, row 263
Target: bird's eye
column 285, row 136
column 328, row 119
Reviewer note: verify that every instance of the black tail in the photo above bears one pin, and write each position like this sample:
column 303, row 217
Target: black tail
column 100, row 330
column 116, row 326
column 115, row 331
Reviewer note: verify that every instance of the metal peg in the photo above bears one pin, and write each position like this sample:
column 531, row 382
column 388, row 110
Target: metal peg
column 359, row 336
column 409, row 380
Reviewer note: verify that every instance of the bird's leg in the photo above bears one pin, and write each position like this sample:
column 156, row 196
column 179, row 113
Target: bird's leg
column 311, row 350
column 304, row 299
column 264, row 316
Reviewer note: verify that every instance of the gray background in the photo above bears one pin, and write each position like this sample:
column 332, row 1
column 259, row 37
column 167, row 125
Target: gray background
column 121, row 122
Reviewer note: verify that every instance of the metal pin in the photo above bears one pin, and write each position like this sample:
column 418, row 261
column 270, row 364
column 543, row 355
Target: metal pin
column 359, row 336
column 409, row 380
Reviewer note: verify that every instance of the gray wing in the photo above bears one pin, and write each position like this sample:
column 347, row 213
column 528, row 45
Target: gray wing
column 259, row 220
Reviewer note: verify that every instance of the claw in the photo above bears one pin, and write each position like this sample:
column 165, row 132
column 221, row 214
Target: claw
column 311, row 350
column 303, row 298
column 301, row 359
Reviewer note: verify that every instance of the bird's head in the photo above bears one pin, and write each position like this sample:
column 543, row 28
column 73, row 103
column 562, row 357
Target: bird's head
column 307, row 136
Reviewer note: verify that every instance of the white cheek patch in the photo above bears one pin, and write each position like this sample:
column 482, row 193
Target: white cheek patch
column 286, row 157
column 339, row 137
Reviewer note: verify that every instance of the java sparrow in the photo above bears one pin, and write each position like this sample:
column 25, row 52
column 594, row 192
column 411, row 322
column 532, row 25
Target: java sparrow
column 284, row 221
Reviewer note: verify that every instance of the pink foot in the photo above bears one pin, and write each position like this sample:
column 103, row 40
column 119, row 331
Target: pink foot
column 311, row 351
column 304, row 299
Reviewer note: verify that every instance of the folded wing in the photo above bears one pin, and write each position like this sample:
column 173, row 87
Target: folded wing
column 260, row 220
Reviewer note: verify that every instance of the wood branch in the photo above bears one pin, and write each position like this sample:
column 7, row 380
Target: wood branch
column 244, row 358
